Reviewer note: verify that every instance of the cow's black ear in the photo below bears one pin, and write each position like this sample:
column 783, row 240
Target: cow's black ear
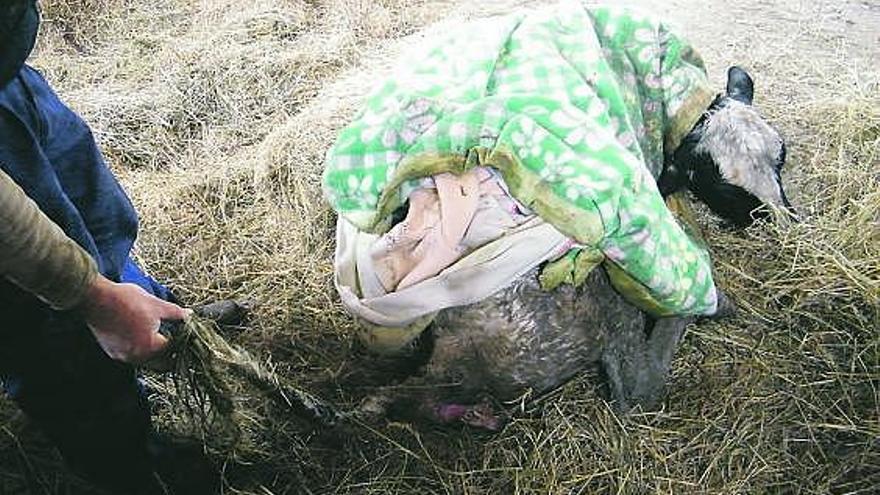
column 678, row 169
column 673, row 178
column 740, row 86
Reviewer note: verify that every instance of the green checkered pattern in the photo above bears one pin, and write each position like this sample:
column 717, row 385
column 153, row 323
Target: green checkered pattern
column 576, row 106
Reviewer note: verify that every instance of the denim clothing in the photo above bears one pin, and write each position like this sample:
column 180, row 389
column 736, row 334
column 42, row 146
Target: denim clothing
column 89, row 405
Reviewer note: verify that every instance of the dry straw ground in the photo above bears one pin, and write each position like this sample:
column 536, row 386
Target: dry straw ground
column 216, row 113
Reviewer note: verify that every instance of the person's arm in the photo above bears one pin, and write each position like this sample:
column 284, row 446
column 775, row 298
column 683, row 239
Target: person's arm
column 36, row 255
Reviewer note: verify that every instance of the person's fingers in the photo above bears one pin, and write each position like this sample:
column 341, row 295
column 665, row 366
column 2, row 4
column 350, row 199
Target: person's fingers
column 166, row 310
column 156, row 344
column 171, row 311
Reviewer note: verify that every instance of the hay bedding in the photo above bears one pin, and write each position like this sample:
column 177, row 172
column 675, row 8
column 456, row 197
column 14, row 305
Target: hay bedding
column 216, row 115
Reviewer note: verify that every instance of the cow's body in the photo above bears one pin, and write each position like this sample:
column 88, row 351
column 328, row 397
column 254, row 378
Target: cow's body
column 524, row 339
column 590, row 119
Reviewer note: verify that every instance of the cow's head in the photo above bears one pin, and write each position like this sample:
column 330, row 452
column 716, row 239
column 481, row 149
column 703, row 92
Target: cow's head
column 732, row 158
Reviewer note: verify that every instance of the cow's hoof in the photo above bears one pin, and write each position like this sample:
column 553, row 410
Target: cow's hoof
column 373, row 408
column 226, row 312
column 726, row 308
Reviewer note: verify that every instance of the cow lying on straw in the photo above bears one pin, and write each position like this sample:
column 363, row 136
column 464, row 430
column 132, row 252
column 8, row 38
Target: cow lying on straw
column 503, row 197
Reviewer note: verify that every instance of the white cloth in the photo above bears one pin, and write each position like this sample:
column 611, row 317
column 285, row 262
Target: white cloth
column 474, row 277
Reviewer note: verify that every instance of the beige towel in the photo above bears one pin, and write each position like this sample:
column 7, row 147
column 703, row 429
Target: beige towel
column 444, row 223
column 459, row 244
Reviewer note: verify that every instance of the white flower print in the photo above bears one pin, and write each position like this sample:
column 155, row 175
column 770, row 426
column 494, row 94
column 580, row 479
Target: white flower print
column 711, row 298
column 421, row 123
column 615, row 253
column 366, row 184
column 576, row 137
column 583, row 91
column 644, row 35
column 568, row 120
column 408, row 136
column 523, row 136
column 685, row 284
column 653, row 81
column 591, row 184
column 597, row 108
column 495, row 111
column 353, row 183
column 370, row 133
column 596, row 140
column 535, row 110
column 627, row 139
column 614, row 125
column 641, row 237
column 389, row 139
column 341, row 162
column 610, row 29
column 690, row 300
column 458, row 131
column 419, row 106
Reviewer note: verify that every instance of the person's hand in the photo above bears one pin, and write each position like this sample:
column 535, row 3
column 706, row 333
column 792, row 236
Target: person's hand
column 125, row 320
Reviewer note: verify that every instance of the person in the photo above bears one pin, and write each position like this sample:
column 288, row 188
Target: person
column 78, row 311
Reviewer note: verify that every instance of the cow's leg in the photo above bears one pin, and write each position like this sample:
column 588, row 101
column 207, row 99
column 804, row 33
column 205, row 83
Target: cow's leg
column 662, row 345
column 664, row 340
column 623, row 361
column 648, row 385
column 636, row 367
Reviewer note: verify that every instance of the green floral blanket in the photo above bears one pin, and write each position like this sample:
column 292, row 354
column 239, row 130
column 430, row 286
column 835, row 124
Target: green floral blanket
column 577, row 106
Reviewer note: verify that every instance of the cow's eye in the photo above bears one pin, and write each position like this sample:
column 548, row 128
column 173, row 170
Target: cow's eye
column 780, row 158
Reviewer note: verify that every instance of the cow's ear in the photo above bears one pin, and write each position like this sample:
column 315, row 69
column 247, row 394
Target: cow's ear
column 679, row 168
column 673, row 178
column 740, row 86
